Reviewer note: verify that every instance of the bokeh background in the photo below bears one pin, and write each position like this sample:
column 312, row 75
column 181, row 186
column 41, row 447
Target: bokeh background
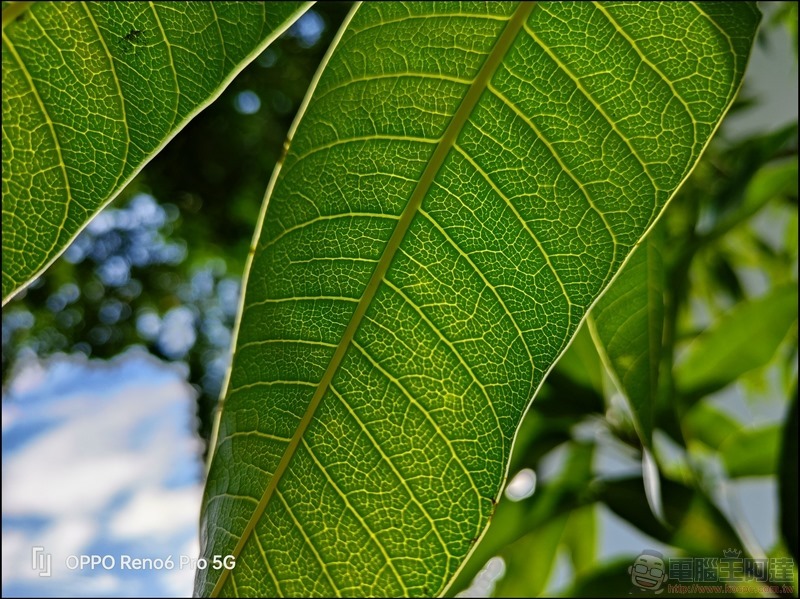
column 112, row 362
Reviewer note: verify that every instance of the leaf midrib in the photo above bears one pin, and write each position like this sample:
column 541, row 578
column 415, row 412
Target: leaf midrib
column 445, row 144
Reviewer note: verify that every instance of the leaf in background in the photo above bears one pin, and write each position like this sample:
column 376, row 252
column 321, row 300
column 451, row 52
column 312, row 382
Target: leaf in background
column 581, row 539
column 612, row 580
column 627, row 323
column 752, row 452
column 566, row 493
column 580, row 361
column 462, row 184
column 708, row 424
column 92, row 91
column 787, row 481
column 694, row 523
column 529, row 561
column 743, row 339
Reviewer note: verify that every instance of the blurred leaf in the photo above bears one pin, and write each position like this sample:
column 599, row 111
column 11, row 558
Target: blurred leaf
column 580, row 362
column 530, row 560
column 787, row 479
column 612, row 580
column 743, row 339
column 771, row 181
column 513, row 520
column 708, row 424
column 724, row 275
column 791, row 234
column 627, row 324
column 580, row 537
column 651, row 478
column 776, row 179
column 752, row 452
column 694, row 523
column 722, row 197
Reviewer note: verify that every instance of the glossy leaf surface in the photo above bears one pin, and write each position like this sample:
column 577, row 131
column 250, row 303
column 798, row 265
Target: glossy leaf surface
column 463, row 183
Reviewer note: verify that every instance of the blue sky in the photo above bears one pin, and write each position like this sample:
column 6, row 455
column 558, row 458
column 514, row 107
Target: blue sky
column 99, row 458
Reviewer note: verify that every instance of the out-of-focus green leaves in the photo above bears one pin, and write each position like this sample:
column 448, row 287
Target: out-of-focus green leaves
column 787, row 479
column 695, row 525
column 752, row 452
column 774, row 180
column 580, row 538
column 708, row 424
column 516, row 524
column 530, row 561
column 627, row 324
column 741, row 340
column 609, row 581
column 580, row 362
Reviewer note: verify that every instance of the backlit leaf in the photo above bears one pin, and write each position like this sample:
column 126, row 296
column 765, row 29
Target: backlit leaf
column 92, row 91
column 462, row 184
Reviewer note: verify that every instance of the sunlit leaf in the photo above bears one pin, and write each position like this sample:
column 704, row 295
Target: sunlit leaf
column 92, row 90
column 461, row 186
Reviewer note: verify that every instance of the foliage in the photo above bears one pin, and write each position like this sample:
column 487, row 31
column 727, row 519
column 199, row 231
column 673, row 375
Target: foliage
column 727, row 278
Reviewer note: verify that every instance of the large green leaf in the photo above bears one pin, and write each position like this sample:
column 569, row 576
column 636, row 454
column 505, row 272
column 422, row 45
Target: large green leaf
column 462, row 184
column 92, row 91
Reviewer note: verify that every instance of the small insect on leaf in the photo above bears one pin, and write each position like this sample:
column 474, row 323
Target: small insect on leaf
column 132, row 38
column 133, row 35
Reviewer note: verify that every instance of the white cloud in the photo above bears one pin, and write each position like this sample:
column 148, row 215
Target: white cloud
column 99, row 459
column 157, row 513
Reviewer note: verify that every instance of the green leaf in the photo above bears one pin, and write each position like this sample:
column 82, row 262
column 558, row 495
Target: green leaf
column 462, row 184
column 752, row 452
column 708, row 424
column 92, row 91
column 693, row 522
column 720, row 355
column 564, row 495
column 529, row 561
column 580, row 361
column 580, row 538
column 627, row 324
column 611, row 580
